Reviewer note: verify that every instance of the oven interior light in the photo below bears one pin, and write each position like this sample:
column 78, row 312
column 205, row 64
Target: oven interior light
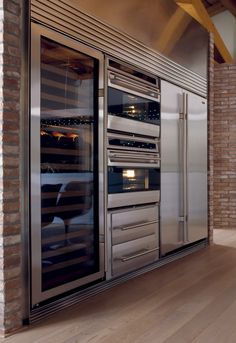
column 129, row 173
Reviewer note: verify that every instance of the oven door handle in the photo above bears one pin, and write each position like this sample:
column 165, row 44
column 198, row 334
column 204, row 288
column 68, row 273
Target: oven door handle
column 133, row 164
column 126, row 160
column 112, row 135
column 131, row 227
column 124, row 83
column 142, row 253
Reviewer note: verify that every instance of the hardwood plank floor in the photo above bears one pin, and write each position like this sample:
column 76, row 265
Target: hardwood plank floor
column 190, row 300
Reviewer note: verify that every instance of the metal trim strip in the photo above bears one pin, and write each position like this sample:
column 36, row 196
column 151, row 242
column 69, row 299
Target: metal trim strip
column 65, row 17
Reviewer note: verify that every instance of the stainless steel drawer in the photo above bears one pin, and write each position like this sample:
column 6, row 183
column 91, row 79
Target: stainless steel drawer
column 133, row 198
column 134, row 254
column 134, row 223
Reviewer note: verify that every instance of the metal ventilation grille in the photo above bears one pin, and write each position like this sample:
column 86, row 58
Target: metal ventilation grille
column 64, row 17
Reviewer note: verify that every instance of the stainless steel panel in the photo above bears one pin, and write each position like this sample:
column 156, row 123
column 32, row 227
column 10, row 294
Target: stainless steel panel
column 36, row 279
column 137, row 88
column 112, row 135
column 133, row 159
column 134, row 254
column 35, row 168
column 197, row 168
column 134, row 223
column 24, row 165
column 130, row 232
column 132, row 198
column 127, row 125
column 65, row 17
column 127, row 70
column 172, row 233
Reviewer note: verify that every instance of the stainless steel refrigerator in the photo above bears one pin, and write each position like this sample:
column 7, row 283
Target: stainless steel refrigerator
column 183, row 168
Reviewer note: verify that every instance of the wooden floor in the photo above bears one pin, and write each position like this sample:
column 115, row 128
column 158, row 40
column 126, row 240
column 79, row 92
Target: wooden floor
column 190, row 300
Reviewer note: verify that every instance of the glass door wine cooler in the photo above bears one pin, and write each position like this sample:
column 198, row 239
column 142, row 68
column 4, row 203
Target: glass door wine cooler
column 67, row 249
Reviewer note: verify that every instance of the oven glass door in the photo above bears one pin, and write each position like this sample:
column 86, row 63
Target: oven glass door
column 123, row 179
column 129, row 106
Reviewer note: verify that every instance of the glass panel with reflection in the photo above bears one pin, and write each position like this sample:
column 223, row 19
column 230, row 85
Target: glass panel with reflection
column 69, row 80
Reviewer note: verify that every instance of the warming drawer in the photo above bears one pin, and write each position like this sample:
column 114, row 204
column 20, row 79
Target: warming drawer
column 134, row 223
column 134, row 254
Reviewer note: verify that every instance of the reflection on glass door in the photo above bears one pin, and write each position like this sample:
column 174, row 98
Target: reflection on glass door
column 69, row 229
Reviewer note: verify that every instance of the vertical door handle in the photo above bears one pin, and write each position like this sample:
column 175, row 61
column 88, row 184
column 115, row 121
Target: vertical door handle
column 186, row 169
column 183, row 166
column 182, row 163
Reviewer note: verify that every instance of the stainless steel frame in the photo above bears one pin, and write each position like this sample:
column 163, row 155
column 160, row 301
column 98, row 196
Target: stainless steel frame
column 37, row 294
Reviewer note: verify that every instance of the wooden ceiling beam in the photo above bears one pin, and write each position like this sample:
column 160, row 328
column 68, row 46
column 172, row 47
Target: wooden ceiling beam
column 198, row 11
column 173, row 31
column 230, row 5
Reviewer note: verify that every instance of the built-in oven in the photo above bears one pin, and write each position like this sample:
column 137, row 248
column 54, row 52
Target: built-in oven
column 133, row 170
column 133, row 100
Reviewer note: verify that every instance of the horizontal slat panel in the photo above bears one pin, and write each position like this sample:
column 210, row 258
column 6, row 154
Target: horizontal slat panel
column 68, row 19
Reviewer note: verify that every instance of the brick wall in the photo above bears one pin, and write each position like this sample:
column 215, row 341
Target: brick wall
column 10, row 257
column 224, row 147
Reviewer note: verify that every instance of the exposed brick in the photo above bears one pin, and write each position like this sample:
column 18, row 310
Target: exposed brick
column 10, row 217
column 11, row 138
column 223, row 147
column 13, row 306
column 11, row 273
column 10, row 229
column 12, row 7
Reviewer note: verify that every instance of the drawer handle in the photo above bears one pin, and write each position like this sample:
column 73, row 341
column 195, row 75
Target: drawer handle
column 145, row 252
column 131, row 227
